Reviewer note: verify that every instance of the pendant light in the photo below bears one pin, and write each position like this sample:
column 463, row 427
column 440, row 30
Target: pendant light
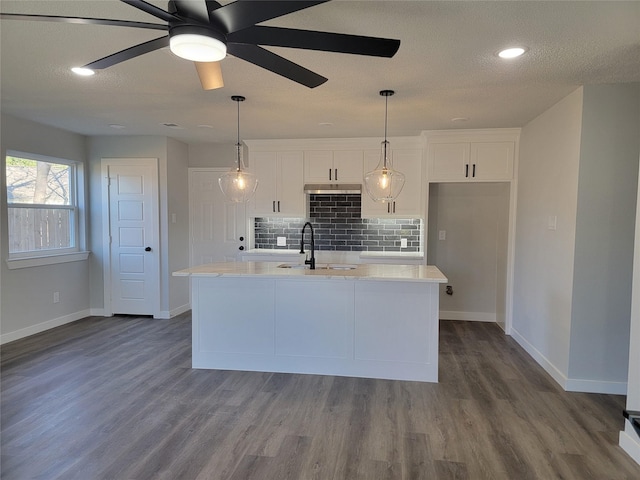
column 384, row 184
column 238, row 184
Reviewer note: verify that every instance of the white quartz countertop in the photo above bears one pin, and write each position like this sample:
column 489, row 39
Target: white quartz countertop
column 413, row 273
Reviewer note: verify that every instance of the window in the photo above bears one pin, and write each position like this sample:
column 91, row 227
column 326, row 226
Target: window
column 42, row 206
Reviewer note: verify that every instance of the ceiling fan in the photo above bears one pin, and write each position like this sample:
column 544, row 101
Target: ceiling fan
column 206, row 38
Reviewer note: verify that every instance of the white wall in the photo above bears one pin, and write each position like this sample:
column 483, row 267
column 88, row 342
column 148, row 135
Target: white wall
column 543, row 272
column 177, row 293
column 473, row 254
column 607, row 191
column 26, row 305
column 629, row 439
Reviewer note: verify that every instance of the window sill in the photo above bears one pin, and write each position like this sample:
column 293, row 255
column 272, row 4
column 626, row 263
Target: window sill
column 15, row 263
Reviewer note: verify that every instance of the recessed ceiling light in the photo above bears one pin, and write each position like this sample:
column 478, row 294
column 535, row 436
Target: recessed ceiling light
column 512, row 52
column 117, row 126
column 460, row 119
column 173, row 125
column 85, row 72
column 205, row 126
column 325, row 124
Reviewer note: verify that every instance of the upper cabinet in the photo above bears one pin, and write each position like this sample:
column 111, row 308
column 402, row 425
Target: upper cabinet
column 409, row 202
column 280, row 184
column 471, row 156
column 333, row 166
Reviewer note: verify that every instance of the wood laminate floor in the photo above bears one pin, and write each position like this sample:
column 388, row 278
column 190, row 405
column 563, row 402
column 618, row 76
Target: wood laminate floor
column 116, row 398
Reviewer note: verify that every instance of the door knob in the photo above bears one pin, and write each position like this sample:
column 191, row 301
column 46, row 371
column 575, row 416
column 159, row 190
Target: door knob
column 242, row 239
column 241, row 247
column 148, row 249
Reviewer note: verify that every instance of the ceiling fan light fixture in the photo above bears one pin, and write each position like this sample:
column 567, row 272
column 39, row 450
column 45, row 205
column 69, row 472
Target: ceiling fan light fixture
column 83, row 72
column 197, row 44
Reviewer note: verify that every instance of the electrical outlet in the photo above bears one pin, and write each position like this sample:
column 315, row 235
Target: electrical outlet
column 56, row 297
column 281, row 241
column 442, row 235
column 403, row 243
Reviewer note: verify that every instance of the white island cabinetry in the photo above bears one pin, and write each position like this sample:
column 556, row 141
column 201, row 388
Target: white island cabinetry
column 374, row 321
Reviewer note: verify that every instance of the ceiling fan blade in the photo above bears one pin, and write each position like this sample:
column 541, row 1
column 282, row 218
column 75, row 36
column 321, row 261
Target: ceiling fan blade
column 276, row 64
column 211, row 6
column 152, row 10
column 83, row 21
column 246, row 13
column 129, row 53
column 210, row 75
column 311, row 40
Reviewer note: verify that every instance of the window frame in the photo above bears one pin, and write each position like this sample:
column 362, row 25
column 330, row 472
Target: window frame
column 50, row 256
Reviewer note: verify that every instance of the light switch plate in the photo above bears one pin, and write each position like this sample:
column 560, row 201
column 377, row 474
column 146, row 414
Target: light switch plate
column 552, row 222
column 442, row 235
column 281, row 241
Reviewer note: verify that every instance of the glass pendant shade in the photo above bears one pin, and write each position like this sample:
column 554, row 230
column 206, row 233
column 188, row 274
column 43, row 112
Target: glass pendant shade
column 384, row 184
column 239, row 184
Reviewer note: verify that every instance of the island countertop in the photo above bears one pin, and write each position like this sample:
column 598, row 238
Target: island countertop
column 384, row 272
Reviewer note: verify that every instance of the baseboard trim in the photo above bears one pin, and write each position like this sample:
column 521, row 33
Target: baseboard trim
column 167, row 314
column 630, row 443
column 41, row 327
column 549, row 367
column 467, row 316
column 595, row 386
column 569, row 384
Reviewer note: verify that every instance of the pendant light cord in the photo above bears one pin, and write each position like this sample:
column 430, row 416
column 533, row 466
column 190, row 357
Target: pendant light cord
column 238, row 139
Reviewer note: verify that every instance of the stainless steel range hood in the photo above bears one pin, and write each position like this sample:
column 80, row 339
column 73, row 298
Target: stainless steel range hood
column 332, row 188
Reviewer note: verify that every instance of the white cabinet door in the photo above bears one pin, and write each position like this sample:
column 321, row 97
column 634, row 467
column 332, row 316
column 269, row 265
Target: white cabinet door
column 348, row 166
column 318, row 166
column 448, row 161
column 290, row 194
column 492, row 161
column 264, row 166
column 280, row 190
column 409, row 202
column 333, row 166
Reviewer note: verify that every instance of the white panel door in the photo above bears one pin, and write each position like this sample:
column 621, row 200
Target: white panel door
column 218, row 227
column 133, row 232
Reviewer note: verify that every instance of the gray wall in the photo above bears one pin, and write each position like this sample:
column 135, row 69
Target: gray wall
column 572, row 288
column 607, row 187
column 27, row 293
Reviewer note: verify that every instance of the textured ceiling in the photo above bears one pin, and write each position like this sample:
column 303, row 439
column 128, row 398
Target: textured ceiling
column 446, row 67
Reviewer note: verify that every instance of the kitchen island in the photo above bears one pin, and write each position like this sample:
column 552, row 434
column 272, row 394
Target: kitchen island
column 374, row 321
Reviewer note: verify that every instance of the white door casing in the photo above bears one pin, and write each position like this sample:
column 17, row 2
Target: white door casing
column 217, row 227
column 131, row 236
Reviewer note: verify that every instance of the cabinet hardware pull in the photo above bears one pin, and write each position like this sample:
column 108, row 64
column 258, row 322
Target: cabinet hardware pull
column 329, row 174
column 474, row 170
column 274, row 206
column 278, row 206
column 388, row 208
column 466, row 171
column 394, row 207
column 336, row 174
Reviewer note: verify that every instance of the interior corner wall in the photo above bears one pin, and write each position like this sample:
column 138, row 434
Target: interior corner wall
column 605, row 228
column 214, row 155
column 544, row 258
column 116, row 147
column 26, row 303
column 177, row 226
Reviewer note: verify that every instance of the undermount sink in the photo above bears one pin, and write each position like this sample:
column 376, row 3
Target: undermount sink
column 320, row 266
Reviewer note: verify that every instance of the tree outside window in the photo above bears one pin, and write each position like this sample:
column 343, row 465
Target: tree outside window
column 42, row 209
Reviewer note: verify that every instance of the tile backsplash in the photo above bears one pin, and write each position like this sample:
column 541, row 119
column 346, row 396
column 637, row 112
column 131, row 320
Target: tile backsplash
column 338, row 226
